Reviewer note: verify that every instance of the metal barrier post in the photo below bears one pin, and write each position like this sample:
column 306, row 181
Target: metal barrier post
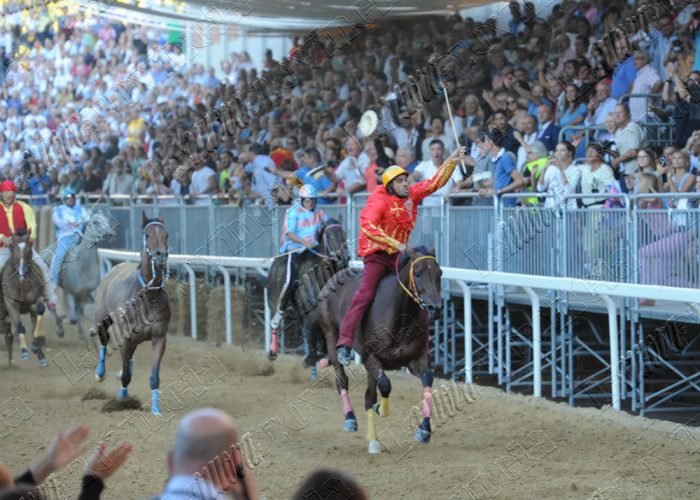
column 193, row 299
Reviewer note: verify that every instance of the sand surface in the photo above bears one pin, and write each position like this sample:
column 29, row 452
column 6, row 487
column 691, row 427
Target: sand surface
column 488, row 444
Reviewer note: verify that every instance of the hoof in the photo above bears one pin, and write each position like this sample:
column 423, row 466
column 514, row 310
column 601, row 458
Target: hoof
column 155, row 409
column 99, row 378
column 24, row 355
column 350, row 424
column 123, row 393
column 376, row 408
column 375, row 447
column 314, row 374
column 43, row 363
column 59, row 332
column 271, row 355
column 424, row 431
column 422, row 436
column 100, row 372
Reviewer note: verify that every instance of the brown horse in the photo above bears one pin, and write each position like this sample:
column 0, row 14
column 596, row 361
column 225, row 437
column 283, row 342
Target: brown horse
column 23, row 292
column 393, row 334
column 132, row 301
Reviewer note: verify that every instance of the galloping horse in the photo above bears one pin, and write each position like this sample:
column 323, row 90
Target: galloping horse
column 314, row 269
column 393, row 334
column 80, row 273
column 132, row 300
column 23, row 292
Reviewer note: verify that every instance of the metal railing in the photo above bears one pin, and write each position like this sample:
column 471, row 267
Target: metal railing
column 624, row 244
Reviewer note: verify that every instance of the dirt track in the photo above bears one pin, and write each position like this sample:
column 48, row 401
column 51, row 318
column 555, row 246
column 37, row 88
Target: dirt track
column 501, row 445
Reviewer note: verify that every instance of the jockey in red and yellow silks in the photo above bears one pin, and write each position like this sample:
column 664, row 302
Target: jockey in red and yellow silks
column 16, row 215
column 386, row 223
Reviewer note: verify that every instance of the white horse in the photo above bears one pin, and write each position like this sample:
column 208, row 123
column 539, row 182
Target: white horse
column 80, row 272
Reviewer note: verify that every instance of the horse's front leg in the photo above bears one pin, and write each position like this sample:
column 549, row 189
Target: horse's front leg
column 127, row 351
column 6, row 331
column 370, row 401
column 341, row 384
column 16, row 321
column 158, row 344
column 104, row 321
column 38, row 340
column 421, row 367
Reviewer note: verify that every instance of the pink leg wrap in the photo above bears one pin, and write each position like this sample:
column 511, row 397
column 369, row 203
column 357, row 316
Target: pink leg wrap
column 345, row 398
column 427, row 402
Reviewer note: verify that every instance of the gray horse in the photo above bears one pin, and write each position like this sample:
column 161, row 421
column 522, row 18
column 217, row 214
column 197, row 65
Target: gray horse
column 80, row 273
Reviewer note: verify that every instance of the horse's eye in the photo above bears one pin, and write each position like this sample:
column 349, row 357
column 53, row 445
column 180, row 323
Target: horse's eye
column 417, row 275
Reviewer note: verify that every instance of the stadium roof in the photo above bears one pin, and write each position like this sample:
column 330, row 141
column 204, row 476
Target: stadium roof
column 276, row 16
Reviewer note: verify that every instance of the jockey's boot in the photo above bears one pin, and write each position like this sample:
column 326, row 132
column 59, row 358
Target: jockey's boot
column 344, row 355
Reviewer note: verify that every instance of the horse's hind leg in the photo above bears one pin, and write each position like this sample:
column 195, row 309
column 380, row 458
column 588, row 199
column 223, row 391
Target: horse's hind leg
column 39, row 341
column 421, row 367
column 158, row 344
column 127, row 352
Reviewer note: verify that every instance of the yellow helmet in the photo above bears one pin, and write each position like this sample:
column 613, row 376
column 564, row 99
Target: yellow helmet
column 392, row 173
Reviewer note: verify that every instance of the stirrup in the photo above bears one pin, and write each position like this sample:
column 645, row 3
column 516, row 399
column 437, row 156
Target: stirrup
column 344, row 355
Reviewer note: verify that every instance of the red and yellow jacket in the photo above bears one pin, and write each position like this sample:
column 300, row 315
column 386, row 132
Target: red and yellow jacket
column 387, row 220
column 17, row 216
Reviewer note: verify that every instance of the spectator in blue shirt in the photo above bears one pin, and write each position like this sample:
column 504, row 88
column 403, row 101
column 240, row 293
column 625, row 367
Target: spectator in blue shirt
column 507, row 179
column 311, row 172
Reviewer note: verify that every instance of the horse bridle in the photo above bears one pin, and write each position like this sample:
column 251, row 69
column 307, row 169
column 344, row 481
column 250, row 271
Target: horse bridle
column 412, row 291
column 150, row 255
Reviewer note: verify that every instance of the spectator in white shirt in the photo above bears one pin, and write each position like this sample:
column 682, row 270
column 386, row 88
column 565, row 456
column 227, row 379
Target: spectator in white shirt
column 428, row 168
column 600, row 105
column 352, row 169
column 528, row 136
column 203, row 184
column 561, row 177
column 436, row 131
column 647, row 81
column 629, row 138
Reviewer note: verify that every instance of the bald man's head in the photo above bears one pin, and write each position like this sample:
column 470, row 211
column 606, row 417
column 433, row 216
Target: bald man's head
column 201, row 436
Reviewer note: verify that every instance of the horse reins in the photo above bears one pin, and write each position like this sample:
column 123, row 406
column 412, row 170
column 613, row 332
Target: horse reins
column 412, row 292
column 150, row 255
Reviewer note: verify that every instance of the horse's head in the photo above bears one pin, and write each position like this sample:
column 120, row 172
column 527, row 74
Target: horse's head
column 155, row 245
column 21, row 252
column 423, row 273
column 100, row 225
column 334, row 241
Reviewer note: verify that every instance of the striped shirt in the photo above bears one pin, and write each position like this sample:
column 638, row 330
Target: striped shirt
column 304, row 224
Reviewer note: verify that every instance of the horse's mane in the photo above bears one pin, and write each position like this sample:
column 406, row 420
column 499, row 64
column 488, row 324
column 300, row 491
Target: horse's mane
column 403, row 260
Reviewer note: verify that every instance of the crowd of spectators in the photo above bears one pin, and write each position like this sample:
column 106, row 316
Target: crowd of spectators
column 522, row 89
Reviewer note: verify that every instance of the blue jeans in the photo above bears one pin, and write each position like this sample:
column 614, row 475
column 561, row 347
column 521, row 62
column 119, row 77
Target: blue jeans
column 64, row 244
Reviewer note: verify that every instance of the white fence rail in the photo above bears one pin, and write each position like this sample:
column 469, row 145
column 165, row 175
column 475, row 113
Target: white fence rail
column 463, row 278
